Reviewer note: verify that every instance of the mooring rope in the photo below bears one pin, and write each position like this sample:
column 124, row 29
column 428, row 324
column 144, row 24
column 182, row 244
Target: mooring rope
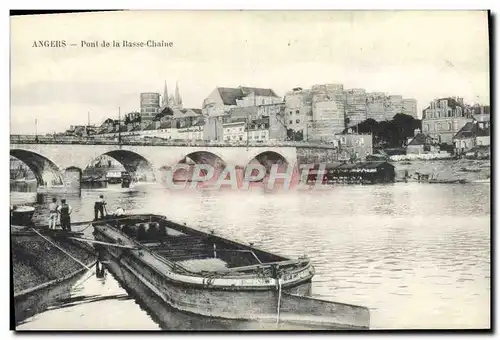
column 61, row 249
column 279, row 303
column 78, row 284
column 82, row 230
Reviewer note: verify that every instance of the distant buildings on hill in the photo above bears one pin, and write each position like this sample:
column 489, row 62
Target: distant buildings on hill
column 252, row 114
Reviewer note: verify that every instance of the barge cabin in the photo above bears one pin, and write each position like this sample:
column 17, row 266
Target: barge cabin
column 371, row 172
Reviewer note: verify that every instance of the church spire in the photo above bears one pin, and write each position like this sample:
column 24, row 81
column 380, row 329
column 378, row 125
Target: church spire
column 165, row 96
column 177, row 98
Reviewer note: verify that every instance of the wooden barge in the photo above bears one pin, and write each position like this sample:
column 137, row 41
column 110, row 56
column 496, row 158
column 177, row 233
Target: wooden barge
column 207, row 275
column 370, row 172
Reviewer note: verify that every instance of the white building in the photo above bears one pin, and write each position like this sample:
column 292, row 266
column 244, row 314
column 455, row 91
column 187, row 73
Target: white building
column 222, row 99
column 235, row 131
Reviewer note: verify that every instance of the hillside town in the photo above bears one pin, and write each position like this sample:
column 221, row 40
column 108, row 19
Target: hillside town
column 324, row 113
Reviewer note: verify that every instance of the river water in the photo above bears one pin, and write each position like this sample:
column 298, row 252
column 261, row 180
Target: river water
column 417, row 255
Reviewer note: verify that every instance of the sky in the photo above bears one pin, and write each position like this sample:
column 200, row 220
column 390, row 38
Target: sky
column 416, row 54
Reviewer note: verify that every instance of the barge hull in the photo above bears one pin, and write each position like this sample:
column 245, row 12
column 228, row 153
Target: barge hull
column 243, row 305
column 170, row 318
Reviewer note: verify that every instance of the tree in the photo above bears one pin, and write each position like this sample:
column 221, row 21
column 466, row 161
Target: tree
column 299, row 136
column 391, row 133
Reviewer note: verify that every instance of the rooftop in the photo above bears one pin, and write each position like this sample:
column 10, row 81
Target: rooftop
column 419, row 139
column 229, row 95
column 472, row 129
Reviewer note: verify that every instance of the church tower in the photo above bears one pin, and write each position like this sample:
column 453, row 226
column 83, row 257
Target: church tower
column 177, row 97
column 172, row 101
column 164, row 102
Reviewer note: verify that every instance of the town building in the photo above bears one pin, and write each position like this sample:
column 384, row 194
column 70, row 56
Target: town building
column 298, row 110
column 444, row 117
column 150, row 105
column 421, row 143
column 472, row 134
column 176, row 124
column 213, row 129
column 478, row 109
column 263, row 129
column 268, row 110
column 183, row 118
column 356, row 108
column 375, row 106
column 235, row 131
column 328, row 112
column 81, row 130
column 393, row 106
column 248, row 112
column 410, row 107
column 222, row 99
column 354, row 146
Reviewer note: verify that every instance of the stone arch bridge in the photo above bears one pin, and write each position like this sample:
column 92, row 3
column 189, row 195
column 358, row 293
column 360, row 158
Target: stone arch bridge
column 51, row 161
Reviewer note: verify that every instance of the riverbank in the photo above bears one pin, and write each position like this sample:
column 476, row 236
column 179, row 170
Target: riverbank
column 466, row 169
column 35, row 261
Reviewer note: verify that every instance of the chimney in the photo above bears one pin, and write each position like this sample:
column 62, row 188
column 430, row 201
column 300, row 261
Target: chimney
column 157, row 124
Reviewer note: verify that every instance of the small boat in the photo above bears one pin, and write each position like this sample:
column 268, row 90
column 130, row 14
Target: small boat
column 207, row 275
column 447, row 181
column 484, row 180
column 126, row 179
column 114, row 177
column 21, row 215
column 470, row 169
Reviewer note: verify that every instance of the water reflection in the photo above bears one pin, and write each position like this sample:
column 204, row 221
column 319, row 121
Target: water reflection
column 417, row 255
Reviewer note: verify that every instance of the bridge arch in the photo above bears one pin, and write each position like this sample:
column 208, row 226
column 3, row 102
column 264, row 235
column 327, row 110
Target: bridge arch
column 45, row 170
column 204, row 157
column 131, row 161
column 268, row 158
column 192, row 159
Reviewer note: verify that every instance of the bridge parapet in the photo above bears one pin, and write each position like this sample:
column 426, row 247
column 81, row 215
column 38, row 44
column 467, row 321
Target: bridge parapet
column 31, row 139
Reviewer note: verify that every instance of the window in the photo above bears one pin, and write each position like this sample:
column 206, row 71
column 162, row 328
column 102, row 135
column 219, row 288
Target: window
column 449, row 126
column 427, row 127
column 291, row 122
column 291, row 112
column 298, row 121
column 297, row 112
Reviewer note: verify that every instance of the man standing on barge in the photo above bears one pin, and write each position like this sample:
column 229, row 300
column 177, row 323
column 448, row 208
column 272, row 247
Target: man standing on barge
column 99, row 208
column 65, row 212
column 53, row 208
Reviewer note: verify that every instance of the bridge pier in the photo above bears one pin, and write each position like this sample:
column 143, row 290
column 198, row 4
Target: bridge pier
column 71, row 184
column 72, row 179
